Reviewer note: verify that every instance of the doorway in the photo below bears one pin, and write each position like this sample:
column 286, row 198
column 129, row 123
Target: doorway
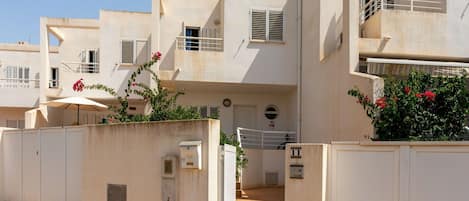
column 245, row 116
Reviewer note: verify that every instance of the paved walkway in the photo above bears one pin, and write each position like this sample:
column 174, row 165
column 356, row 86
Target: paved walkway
column 264, row 194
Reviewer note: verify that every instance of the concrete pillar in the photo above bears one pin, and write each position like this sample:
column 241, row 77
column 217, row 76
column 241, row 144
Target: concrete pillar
column 45, row 60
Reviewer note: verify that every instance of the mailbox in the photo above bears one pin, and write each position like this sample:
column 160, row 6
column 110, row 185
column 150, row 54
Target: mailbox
column 296, row 171
column 191, row 154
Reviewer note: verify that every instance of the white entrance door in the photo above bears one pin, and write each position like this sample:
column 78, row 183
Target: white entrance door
column 245, row 116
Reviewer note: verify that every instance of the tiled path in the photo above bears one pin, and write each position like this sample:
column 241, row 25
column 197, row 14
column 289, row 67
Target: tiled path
column 265, row 194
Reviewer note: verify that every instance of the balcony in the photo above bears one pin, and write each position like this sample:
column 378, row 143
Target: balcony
column 19, row 83
column 196, row 59
column 372, row 7
column 415, row 29
column 199, row 44
column 26, row 92
column 81, row 67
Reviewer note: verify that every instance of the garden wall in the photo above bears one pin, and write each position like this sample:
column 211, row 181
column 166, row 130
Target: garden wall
column 385, row 171
column 78, row 163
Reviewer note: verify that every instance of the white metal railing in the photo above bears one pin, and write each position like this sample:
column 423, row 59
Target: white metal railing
column 199, row 43
column 81, row 67
column 260, row 139
column 53, row 83
column 19, row 83
column 370, row 7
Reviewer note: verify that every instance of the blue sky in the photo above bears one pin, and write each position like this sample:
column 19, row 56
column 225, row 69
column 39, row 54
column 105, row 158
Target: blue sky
column 19, row 19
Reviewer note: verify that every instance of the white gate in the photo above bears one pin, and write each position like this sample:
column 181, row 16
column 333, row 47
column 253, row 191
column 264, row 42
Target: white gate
column 227, row 170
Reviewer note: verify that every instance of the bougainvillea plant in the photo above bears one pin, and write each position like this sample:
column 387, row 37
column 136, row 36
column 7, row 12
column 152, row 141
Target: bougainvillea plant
column 161, row 100
column 421, row 107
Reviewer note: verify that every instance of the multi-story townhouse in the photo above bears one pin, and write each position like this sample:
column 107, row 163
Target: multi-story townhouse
column 347, row 44
column 19, row 81
column 104, row 50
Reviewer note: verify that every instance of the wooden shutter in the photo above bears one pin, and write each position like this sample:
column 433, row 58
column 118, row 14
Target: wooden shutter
column 258, row 24
column 276, row 25
column 127, row 52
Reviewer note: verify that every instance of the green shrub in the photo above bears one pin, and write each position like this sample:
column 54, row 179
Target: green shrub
column 161, row 100
column 421, row 107
column 241, row 160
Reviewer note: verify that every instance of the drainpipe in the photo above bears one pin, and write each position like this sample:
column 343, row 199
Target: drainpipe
column 299, row 68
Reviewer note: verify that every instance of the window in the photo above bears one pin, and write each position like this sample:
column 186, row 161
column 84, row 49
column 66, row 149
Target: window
column 54, row 82
column 208, row 111
column 127, row 52
column 15, row 74
column 135, row 52
column 267, row 25
column 192, row 33
column 15, row 124
column 90, row 61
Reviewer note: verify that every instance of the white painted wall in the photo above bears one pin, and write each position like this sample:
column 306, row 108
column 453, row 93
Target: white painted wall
column 21, row 56
column 368, row 171
column 76, row 163
column 418, row 34
column 112, row 27
column 36, row 164
column 259, row 163
column 241, row 61
column 260, row 99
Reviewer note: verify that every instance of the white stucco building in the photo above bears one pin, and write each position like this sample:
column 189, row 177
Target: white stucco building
column 279, row 68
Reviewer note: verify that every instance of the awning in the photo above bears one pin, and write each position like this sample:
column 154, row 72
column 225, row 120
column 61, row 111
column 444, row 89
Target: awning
column 417, row 62
column 402, row 67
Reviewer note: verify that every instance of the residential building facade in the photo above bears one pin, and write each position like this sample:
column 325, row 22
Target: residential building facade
column 273, row 71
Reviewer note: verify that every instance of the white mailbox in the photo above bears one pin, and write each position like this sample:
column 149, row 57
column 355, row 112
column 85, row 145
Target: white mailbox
column 191, row 154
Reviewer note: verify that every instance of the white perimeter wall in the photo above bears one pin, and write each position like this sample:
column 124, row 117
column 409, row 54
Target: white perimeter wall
column 41, row 165
column 383, row 171
column 77, row 163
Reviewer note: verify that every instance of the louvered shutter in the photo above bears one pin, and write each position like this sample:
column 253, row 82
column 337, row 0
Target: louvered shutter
column 143, row 54
column 276, row 25
column 127, row 52
column 258, row 24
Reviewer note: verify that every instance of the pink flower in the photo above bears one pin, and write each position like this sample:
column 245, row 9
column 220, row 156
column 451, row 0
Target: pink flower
column 156, row 56
column 78, row 85
column 134, row 84
column 381, row 102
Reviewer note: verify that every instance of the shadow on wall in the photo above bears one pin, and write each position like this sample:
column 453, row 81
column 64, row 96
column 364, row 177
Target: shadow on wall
column 142, row 78
column 274, row 61
column 211, row 29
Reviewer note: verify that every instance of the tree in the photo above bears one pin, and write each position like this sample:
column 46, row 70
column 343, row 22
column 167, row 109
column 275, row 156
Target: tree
column 162, row 101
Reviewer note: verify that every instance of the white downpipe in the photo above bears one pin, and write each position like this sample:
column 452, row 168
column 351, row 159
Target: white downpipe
column 300, row 69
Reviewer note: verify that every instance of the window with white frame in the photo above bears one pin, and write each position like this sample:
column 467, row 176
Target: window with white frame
column 208, row 111
column 135, row 52
column 89, row 61
column 267, row 25
column 19, row 73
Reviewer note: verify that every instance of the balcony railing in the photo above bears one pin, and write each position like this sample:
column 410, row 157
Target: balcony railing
column 19, row 83
column 259, row 139
column 371, row 7
column 53, row 84
column 81, row 67
column 199, row 43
